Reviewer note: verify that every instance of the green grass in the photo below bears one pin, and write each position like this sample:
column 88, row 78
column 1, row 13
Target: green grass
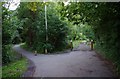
column 0, row 72
column 109, row 56
column 15, row 69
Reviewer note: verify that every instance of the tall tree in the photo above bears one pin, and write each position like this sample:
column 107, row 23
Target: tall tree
column 105, row 21
column 34, row 23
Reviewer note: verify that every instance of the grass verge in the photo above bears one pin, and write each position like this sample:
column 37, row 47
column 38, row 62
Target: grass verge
column 111, row 57
column 15, row 69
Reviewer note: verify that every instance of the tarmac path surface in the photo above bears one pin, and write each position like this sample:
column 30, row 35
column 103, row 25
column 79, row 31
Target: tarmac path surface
column 81, row 62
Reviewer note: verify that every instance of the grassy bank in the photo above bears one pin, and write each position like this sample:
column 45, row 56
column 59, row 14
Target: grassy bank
column 15, row 69
column 109, row 55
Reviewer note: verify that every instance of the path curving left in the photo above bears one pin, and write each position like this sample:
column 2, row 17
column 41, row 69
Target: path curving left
column 81, row 63
column 31, row 66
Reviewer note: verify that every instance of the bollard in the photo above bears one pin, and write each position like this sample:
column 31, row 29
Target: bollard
column 35, row 53
column 92, row 43
column 71, row 45
column 46, row 51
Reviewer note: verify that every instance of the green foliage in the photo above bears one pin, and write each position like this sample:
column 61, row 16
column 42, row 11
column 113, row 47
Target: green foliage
column 8, row 55
column 34, row 30
column 76, row 43
column 79, row 28
column 87, row 31
column 10, row 24
column 80, row 32
column 15, row 69
column 93, row 21
column 6, row 38
column 105, row 21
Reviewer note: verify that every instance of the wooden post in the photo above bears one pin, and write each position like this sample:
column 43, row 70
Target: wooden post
column 35, row 53
column 46, row 27
column 46, row 50
column 92, row 42
column 71, row 45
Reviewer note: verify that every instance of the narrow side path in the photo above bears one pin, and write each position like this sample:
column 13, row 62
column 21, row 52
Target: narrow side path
column 73, row 64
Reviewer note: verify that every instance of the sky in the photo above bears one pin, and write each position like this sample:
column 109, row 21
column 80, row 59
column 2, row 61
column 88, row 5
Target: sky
column 14, row 5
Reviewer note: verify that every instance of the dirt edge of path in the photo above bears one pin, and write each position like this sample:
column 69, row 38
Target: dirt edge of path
column 107, row 62
column 30, row 69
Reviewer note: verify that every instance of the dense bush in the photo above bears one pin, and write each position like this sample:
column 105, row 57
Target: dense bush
column 105, row 21
column 6, row 37
column 9, row 33
column 35, row 29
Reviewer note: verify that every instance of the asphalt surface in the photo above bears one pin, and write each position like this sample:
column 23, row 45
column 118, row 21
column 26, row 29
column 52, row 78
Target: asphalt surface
column 81, row 62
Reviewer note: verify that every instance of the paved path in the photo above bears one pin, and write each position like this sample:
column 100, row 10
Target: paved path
column 78, row 63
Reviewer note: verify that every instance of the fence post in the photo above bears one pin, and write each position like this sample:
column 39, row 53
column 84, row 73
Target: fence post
column 71, row 45
column 35, row 53
column 92, row 43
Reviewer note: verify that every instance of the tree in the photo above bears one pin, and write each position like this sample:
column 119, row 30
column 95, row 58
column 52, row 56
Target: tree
column 9, row 32
column 104, row 19
column 57, row 30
